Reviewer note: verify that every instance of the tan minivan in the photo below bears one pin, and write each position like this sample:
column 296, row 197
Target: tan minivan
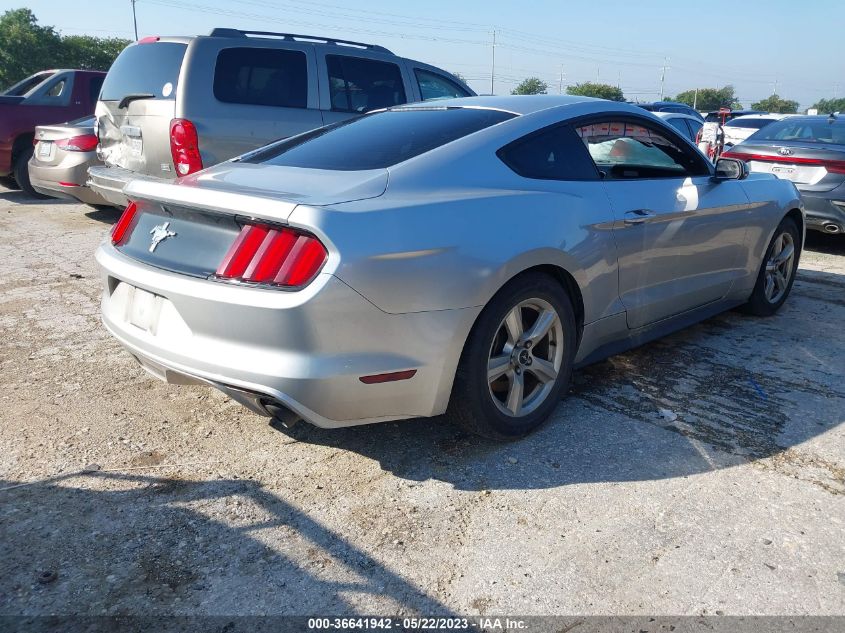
column 171, row 106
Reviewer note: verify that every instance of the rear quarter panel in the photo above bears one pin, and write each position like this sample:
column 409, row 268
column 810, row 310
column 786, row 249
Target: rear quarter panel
column 444, row 245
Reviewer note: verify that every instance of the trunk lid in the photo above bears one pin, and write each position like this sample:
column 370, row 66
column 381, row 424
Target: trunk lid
column 137, row 103
column 46, row 152
column 205, row 211
column 810, row 166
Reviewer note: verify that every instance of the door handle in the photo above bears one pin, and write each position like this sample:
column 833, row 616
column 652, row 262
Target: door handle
column 638, row 216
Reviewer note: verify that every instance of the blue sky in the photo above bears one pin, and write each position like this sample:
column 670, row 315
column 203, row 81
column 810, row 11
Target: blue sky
column 754, row 45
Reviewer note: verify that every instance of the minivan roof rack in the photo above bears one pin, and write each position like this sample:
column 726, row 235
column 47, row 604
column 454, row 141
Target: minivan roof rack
column 227, row 32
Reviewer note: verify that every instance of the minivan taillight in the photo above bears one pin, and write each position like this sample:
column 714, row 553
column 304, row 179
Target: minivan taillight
column 124, row 224
column 83, row 143
column 274, row 256
column 184, row 147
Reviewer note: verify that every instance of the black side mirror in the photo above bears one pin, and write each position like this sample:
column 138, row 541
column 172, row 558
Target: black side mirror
column 731, row 169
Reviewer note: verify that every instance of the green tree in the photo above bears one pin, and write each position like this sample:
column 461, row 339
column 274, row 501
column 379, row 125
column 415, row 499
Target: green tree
column 826, row 106
column 709, row 98
column 531, row 86
column 776, row 104
column 91, row 53
column 459, row 76
column 26, row 47
column 601, row 91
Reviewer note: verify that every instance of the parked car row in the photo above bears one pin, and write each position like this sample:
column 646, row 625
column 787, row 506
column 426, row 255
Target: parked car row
column 48, row 97
column 171, row 106
column 299, row 235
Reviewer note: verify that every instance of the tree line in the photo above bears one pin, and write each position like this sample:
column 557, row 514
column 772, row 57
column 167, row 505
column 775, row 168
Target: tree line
column 704, row 99
column 29, row 47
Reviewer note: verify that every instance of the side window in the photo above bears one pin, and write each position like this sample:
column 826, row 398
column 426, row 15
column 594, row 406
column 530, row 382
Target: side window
column 361, row 85
column 434, row 86
column 554, row 153
column 695, row 127
column 680, row 125
column 94, row 87
column 56, row 89
column 625, row 150
column 261, row 76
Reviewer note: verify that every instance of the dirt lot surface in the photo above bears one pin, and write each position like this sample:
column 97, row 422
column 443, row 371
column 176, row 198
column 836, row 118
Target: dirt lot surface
column 137, row 497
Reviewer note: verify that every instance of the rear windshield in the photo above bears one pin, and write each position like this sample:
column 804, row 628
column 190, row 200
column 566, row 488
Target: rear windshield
column 804, row 130
column 754, row 124
column 145, row 69
column 22, row 87
column 379, row 140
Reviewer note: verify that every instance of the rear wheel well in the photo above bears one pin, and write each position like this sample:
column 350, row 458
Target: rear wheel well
column 565, row 279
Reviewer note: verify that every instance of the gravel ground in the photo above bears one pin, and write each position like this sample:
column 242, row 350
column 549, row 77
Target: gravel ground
column 729, row 501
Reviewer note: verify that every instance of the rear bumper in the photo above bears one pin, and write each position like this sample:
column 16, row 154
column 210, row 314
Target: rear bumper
column 108, row 182
column 825, row 211
column 305, row 351
column 45, row 180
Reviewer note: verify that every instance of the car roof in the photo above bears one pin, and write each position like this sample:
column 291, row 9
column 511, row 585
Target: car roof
column 520, row 104
column 767, row 115
column 676, row 115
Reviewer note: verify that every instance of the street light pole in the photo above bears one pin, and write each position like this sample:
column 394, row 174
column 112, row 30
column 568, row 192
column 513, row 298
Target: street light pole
column 134, row 19
column 493, row 64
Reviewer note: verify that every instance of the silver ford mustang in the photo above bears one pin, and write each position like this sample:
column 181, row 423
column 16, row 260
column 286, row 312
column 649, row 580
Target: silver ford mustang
column 461, row 257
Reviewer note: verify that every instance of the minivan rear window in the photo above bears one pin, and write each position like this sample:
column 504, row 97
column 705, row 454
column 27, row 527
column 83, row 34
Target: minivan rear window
column 150, row 68
column 261, row 76
column 378, row 140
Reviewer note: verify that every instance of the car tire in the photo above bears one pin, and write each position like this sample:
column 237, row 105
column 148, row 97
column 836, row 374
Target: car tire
column 777, row 271
column 22, row 173
column 536, row 367
column 9, row 182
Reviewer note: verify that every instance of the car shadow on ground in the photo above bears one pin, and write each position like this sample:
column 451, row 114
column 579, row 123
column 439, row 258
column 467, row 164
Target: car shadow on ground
column 21, row 197
column 104, row 214
column 712, row 396
column 177, row 553
column 825, row 243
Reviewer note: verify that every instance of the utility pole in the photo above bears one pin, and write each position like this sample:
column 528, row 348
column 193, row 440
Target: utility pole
column 695, row 100
column 134, row 19
column 598, row 72
column 775, row 87
column 493, row 63
column 619, row 80
column 560, row 85
column 663, row 76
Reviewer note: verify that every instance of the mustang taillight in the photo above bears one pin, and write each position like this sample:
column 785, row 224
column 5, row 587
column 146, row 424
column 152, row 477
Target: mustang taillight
column 124, row 224
column 833, row 166
column 273, row 255
column 184, row 147
column 82, row 143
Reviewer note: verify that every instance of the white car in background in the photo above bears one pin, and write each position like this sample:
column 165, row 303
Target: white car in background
column 738, row 129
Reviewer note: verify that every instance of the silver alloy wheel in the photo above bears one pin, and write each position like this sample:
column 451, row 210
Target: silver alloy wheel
column 779, row 267
column 525, row 357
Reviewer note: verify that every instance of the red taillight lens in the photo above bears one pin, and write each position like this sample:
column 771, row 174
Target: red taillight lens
column 833, row 166
column 273, row 255
column 184, row 147
column 84, row 143
column 123, row 227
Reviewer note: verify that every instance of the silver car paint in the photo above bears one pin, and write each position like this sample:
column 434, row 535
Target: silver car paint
column 411, row 267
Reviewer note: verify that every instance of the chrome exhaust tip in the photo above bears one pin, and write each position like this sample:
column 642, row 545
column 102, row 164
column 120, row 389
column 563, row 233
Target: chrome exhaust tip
column 831, row 228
